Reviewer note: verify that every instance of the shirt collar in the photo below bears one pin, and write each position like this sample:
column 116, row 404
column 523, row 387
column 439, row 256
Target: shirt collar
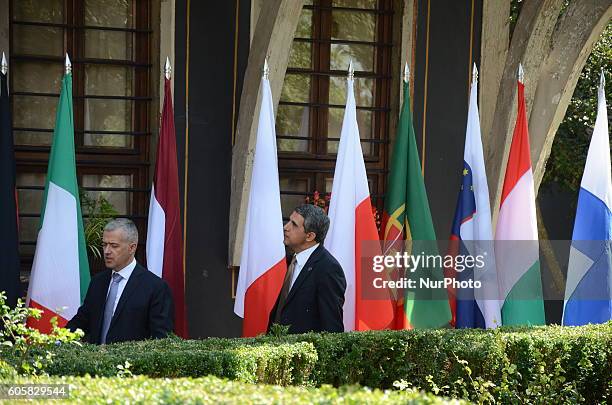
column 126, row 272
column 302, row 257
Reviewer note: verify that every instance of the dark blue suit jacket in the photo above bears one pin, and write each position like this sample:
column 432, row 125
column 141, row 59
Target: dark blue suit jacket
column 145, row 309
column 316, row 298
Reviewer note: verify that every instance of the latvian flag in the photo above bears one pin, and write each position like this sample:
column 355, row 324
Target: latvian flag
column 164, row 232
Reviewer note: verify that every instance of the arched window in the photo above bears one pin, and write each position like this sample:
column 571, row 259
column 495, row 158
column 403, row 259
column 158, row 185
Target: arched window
column 311, row 108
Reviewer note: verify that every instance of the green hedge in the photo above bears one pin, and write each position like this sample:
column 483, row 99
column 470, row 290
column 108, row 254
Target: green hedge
column 282, row 364
column 556, row 363
column 213, row 390
column 553, row 362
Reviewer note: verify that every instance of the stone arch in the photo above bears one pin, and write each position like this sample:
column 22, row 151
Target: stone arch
column 553, row 52
column 272, row 38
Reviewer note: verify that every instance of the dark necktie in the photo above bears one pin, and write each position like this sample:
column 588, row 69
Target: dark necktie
column 286, row 288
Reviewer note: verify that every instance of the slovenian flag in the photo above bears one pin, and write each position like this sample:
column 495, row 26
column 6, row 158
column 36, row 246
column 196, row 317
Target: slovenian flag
column 588, row 290
column 516, row 237
column 60, row 272
column 475, row 307
column 353, row 238
column 262, row 265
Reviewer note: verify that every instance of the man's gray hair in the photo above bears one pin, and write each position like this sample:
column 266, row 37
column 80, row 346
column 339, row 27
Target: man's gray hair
column 128, row 227
column 315, row 220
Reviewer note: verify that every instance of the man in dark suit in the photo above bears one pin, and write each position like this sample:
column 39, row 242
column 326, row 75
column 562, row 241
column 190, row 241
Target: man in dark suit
column 126, row 302
column 312, row 295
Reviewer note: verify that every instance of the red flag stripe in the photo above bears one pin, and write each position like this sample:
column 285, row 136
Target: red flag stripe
column 519, row 149
column 260, row 298
column 167, row 195
column 44, row 323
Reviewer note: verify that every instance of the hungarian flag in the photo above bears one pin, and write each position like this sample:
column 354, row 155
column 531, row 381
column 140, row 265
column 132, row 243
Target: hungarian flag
column 60, row 272
column 164, row 231
column 588, row 291
column 516, row 236
column 353, row 238
column 9, row 259
column 407, row 216
column 262, row 265
column 472, row 234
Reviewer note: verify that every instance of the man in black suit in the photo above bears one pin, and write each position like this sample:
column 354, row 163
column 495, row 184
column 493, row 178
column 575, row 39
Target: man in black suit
column 126, row 302
column 312, row 295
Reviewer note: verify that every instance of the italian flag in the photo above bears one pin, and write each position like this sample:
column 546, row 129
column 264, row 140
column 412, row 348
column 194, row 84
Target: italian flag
column 353, row 238
column 262, row 264
column 60, row 273
column 407, row 217
column 516, row 236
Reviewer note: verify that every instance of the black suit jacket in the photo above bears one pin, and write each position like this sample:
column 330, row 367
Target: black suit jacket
column 316, row 298
column 145, row 309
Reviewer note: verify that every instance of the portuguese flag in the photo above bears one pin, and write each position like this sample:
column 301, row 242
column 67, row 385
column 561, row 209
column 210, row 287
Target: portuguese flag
column 60, row 272
column 407, row 217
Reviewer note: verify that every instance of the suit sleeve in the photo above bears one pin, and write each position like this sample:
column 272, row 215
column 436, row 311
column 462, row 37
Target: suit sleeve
column 82, row 318
column 330, row 297
column 161, row 312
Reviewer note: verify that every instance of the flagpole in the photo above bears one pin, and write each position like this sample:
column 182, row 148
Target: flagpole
column 68, row 65
column 4, row 67
column 168, row 69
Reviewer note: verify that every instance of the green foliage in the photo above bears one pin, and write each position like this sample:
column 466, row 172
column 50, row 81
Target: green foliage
column 26, row 348
column 96, row 212
column 568, row 155
column 552, row 364
column 237, row 359
column 213, row 390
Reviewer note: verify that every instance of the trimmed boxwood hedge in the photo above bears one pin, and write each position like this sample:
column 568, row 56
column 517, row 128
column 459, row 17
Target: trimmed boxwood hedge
column 552, row 362
column 282, row 364
column 213, row 390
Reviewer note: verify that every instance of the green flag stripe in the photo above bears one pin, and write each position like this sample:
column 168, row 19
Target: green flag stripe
column 524, row 304
column 62, row 171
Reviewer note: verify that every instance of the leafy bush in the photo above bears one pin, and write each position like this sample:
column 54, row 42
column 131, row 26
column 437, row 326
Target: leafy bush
column 213, row 390
column 281, row 364
column 551, row 363
column 26, row 348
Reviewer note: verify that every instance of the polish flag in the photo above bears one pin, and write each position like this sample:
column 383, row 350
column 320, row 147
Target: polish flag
column 352, row 233
column 262, row 265
column 165, row 235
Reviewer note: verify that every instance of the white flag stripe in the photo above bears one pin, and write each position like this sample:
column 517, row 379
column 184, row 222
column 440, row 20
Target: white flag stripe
column 55, row 282
column 516, row 222
column 349, row 189
column 479, row 227
column 156, row 234
column 597, row 176
column 263, row 245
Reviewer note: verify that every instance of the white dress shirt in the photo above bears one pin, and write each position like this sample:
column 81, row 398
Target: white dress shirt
column 300, row 260
column 125, row 274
